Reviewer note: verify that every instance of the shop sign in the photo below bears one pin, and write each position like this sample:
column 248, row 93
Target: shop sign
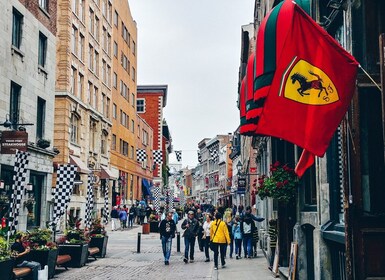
column 12, row 141
column 241, row 185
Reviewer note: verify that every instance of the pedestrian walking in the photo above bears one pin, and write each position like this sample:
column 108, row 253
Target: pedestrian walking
column 167, row 230
column 199, row 216
column 219, row 237
column 131, row 216
column 228, row 219
column 175, row 217
column 206, row 236
column 237, row 235
column 114, row 218
column 247, row 229
column 191, row 227
column 122, row 218
column 254, row 241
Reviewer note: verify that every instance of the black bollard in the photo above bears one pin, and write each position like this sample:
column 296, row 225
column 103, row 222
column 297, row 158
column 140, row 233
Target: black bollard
column 138, row 244
column 178, row 241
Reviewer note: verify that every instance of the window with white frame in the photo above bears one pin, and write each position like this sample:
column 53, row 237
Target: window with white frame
column 43, row 4
column 140, row 105
column 74, row 127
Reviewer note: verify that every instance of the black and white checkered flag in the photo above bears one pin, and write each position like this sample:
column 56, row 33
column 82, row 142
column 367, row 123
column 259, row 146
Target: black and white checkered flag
column 141, row 155
column 182, row 198
column 156, row 195
column 63, row 191
column 158, row 156
column 178, row 155
column 89, row 203
column 105, row 209
column 171, row 194
column 199, row 157
column 19, row 179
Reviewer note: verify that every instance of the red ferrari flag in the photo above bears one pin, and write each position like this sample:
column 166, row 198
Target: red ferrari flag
column 312, row 84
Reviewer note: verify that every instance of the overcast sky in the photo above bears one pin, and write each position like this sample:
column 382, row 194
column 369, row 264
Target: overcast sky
column 193, row 46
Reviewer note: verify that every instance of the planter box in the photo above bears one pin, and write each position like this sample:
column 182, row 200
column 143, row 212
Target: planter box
column 78, row 253
column 154, row 226
column 101, row 243
column 47, row 257
column 6, row 268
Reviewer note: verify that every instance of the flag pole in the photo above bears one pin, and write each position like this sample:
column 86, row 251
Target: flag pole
column 367, row 74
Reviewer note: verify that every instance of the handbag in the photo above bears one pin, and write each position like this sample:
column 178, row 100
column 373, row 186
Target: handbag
column 211, row 243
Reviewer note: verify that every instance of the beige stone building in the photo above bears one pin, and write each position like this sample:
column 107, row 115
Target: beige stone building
column 83, row 116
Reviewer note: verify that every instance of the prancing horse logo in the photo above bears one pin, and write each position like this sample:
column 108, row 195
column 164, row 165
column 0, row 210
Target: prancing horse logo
column 306, row 85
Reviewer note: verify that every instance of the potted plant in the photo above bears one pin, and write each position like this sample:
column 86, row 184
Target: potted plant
column 43, row 143
column 76, row 245
column 99, row 238
column 6, row 260
column 281, row 184
column 43, row 250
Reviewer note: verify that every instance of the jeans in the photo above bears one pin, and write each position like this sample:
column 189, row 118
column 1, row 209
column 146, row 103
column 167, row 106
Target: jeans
column 166, row 247
column 189, row 244
column 247, row 245
column 130, row 221
column 34, row 266
column 238, row 247
column 222, row 249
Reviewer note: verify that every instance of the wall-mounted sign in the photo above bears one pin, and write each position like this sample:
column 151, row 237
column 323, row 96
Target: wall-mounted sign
column 241, row 185
column 12, row 141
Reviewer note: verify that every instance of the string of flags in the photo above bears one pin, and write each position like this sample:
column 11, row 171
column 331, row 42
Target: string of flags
column 178, row 155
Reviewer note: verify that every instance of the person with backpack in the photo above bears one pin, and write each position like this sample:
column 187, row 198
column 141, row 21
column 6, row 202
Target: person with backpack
column 122, row 218
column 247, row 229
column 191, row 227
column 237, row 235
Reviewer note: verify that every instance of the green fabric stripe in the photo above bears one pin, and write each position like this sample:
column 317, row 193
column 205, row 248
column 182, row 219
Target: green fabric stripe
column 264, row 80
column 270, row 40
column 251, row 104
column 243, row 120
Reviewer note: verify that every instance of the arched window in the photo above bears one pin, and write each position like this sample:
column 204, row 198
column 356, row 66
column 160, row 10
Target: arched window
column 103, row 145
column 74, row 127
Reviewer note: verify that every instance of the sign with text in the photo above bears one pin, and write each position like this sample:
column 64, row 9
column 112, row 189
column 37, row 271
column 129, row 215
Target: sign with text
column 241, row 185
column 12, row 141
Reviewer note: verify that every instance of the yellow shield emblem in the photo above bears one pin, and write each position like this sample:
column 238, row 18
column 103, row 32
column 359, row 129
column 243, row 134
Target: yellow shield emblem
column 308, row 84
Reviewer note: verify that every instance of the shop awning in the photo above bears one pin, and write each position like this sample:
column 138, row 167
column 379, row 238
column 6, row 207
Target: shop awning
column 106, row 173
column 82, row 167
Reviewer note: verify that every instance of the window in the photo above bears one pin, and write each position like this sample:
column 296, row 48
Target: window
column 73, row 80
column 133, row 48
column 80, row 86
column 17, row 28
column 133, row 74
column 92, row 22
column 97, row 24
column 40, row 121
column 132, row 126
column 91, row 57
column 42, row 49
column 145, row 137
column 104, row 38
column 133, row 99
column 109, row 44
column 123, row 147
column 116, row 18
column 108, row 75
column 115, row 49
column 92, row 135
column 115, row 80
column 89, row 92
column 114, row 111
column 74, row 40
column 132, row 152
column 140, row 105
column 81, row 10
column 113, row 142
column 95, row 98
column 104, row 71
column 103, row 144
column 103, row 104
column 108, row 108
column 96, row 63
column 43, row 4
column 74, row 128
column 81, row 47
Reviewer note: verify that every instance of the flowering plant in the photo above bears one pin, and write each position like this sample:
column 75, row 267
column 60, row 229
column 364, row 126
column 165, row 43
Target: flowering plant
column 40, row 239
column 280, row 185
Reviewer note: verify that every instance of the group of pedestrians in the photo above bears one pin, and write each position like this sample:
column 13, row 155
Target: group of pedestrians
column 123, row 217
column 214, row 231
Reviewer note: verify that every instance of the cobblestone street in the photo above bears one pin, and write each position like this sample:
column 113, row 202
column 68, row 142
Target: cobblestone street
column 123, row 262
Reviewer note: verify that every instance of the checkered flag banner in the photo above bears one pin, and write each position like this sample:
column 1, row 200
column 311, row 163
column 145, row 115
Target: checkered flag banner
column 105, row 209
column 158, row 156
column 213, row 154
column 156, row 195
column 19, row 179
column 182, row 198
column 199, row 157
column 141, row 155
column 178, row 155
column 63, row 191
column 171, row 198
column 89, row 203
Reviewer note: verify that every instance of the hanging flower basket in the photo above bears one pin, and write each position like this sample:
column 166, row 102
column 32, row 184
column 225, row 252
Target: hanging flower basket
column 280, row 185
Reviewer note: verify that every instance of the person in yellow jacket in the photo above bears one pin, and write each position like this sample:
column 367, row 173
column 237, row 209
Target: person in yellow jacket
column 219, row 238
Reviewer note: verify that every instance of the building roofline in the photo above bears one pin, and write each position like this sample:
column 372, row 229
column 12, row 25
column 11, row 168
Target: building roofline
column 154, row 89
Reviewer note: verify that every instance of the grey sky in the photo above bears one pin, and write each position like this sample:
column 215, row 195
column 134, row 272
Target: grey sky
column 193, row 46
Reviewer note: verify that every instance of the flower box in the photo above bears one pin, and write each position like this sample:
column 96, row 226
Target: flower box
column 45, row 257
column 101, row 243
column 78, row 253
column 6, row 267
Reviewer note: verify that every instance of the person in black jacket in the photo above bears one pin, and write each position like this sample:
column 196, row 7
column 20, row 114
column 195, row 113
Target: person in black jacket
column 191, row 227
column 167, row 229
